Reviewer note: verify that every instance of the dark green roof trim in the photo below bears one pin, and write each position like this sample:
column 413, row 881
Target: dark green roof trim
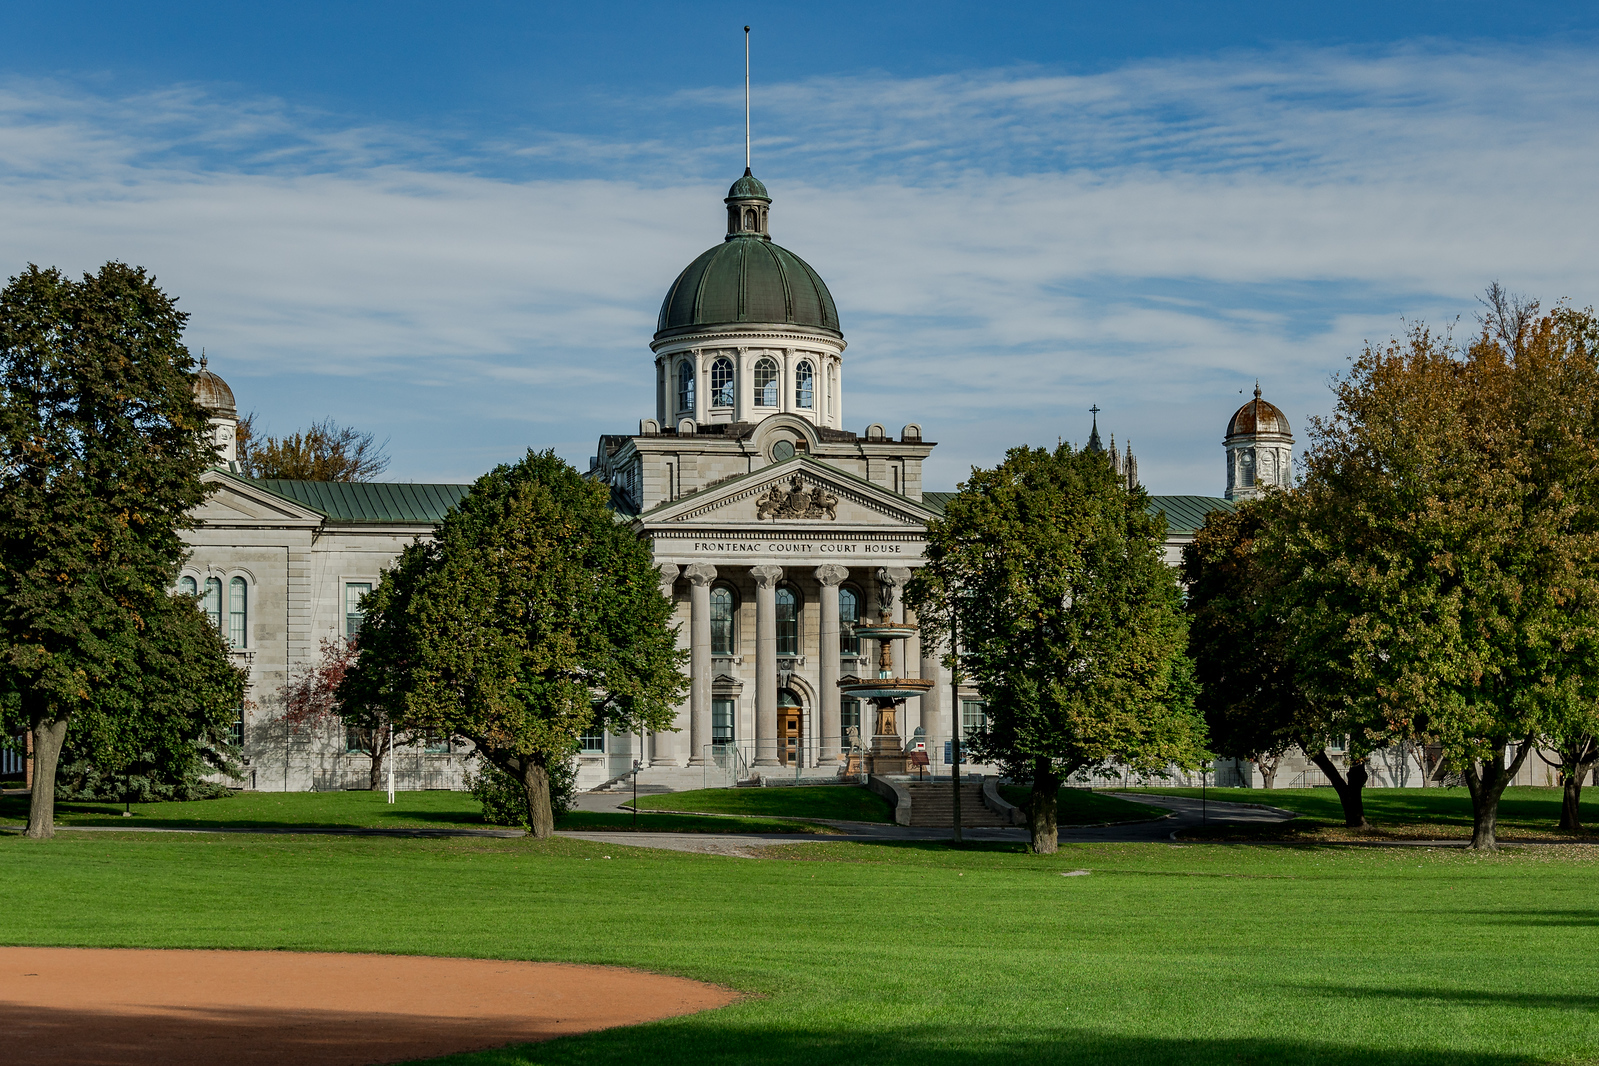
column 1184, row 514
column 370, row 501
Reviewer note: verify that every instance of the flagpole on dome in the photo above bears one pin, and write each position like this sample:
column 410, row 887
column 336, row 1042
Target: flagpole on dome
column 746, row 99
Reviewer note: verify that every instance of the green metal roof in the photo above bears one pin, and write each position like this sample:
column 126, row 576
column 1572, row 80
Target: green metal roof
column 371, row 501
column 747, row 278
column 1184, row 514
column 746, row 187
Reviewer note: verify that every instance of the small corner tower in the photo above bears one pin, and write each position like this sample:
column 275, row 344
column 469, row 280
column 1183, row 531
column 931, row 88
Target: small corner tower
column 212, row 393
column 1260, row 449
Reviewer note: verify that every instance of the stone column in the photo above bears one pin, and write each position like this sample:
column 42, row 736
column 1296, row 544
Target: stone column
column 701, row 385
column 831, row 575
column 766, row 579
column 700, row 576
column 666, row 747
column 933, row 718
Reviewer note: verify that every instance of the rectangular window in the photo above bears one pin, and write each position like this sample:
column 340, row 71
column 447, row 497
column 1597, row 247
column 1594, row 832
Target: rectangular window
column 238, row 611
column 849, row 714
column 353, row 591
column 436, row 745
column 236, row 728
column 593, row 740
column 722, row 721
column 974, row 717
column 357, row 740
column 212, row 601
column 787, row 622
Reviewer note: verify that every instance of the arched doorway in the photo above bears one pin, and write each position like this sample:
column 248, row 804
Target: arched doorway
column 790, row 727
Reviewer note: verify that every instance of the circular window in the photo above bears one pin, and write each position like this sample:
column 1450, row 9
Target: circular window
column 783, row 449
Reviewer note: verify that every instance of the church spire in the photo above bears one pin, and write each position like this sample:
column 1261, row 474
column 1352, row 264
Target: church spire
column 1094, row 443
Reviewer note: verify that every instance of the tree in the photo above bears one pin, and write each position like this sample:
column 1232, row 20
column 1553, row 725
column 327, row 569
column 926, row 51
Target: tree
column 1068, row 620
column 101, row 449
column 311, row 698
column 1445, row 568
column 325, row 452
column 1576, row 744
column 157, row 732
column 1242, row 638
column 533, row 615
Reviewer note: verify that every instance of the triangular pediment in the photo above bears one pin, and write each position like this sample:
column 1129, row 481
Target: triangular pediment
column 237, row 502
column 797, row 493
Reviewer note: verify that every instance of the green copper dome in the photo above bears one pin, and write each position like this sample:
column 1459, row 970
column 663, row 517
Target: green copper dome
column 747, row 278
column 747, row 186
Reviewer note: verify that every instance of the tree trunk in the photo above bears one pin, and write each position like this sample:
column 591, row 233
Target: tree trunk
column 1486, row 786
column 1349, row 789
column 375, row 779
column 540, row 816
column 1268, row 772
column 1570, row 815
column 48, row 736
column 1042, row 808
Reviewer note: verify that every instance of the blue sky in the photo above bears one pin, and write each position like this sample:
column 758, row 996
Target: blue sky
column 453, row 224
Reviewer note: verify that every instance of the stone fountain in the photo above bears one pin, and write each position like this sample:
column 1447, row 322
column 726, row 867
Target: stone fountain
column 885, row 692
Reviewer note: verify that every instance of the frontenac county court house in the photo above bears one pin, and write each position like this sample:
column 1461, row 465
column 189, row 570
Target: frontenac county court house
column 774, row 529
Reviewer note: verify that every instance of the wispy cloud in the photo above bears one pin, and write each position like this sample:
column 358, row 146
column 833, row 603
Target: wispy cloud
column 1006, row 247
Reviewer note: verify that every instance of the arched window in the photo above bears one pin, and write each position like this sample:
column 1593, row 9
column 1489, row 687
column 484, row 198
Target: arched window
column 722, row 383
column 849, row 613
column 1246, row 468
column 211, row 602
column 724, row 612
column 788, row 634
column 187, row 586
column 685, row 385
column 238, row 611
column 804, row 385
column 766, row 382
column 749, row 221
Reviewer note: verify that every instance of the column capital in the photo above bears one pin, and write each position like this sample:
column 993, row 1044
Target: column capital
column 831, row 574
column 766, row 576
column 668, row 572
column 700, row 574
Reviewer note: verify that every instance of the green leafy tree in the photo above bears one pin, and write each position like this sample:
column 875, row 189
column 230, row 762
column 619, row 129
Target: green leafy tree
column 1444, row 567
column 101, row 449
column 160, row 731
column 1242, row 637
column 532, row 615
column 1069, row 623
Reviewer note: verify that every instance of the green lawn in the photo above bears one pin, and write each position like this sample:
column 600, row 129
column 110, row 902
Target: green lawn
column 1523, row 808
column 363, row 810
column 1200, row 955
column 1079, row 806
column 846, row 802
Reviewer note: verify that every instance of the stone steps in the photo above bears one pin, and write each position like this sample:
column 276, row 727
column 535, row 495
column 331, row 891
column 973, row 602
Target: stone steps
column 933, row 805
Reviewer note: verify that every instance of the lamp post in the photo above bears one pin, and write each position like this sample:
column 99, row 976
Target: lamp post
column 955, row 720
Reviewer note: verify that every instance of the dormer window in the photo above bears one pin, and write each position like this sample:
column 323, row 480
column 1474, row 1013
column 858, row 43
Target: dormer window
column 804, row 385
column 766, row 383
column 722, row 383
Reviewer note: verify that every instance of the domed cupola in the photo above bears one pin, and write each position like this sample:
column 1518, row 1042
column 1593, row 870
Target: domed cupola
column 748, row 329
column 212, row 393
column 1259, row 448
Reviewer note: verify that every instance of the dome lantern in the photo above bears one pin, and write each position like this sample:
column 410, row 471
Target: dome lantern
column 1259, row 449
column 747, row 208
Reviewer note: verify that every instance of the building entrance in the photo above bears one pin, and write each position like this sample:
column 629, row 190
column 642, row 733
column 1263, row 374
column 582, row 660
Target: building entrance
column 790, row 729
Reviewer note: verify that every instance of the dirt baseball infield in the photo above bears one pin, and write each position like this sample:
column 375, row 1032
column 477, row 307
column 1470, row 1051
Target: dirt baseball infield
column 111, row 1007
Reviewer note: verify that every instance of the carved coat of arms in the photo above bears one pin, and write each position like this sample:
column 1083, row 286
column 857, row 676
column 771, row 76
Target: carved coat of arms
column 796, row 501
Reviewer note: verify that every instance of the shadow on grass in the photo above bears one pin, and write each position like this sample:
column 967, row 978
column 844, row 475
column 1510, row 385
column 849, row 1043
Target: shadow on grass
column 1476, row 997
column 706, row 1041
column 1539, row 918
